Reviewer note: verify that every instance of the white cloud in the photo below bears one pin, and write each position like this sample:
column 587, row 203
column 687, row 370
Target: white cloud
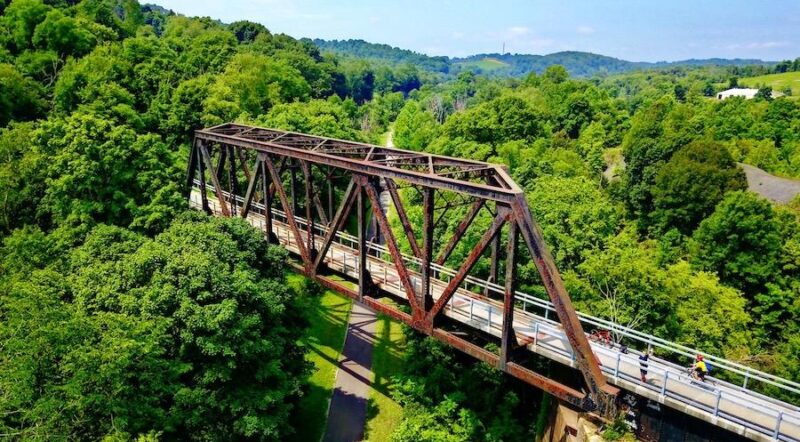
column 457, row 35
column 757, row 45
column 517, row 31
column 585, row 30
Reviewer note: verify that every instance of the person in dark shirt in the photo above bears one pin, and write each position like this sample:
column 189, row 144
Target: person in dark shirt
column 643, row 362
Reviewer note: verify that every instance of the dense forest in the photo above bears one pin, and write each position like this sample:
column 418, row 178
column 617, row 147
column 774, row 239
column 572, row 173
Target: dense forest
column 124, row 315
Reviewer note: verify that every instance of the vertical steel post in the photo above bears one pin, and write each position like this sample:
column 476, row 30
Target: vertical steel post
column 293, row 172
column 362, row 243
column 192, row 173
column 232, row 181
column 508, row 337
column 202, row 168
column 307, row 177
column 215, row 181
column 223, row 152
column 426, row 299
column 777, row 431
column 495, row 262
column 330, row 197
column 267, row 195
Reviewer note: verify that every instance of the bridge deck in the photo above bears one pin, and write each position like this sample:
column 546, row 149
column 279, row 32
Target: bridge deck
column 728, row 406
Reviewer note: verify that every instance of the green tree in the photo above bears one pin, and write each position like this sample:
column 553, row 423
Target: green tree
column 22, row 173
column 691, row 184
column 20, row 97
column 318, row 117
column 414, row 128
column 508, row 118
column 575, row 216
column 764, row 93
column 102, row 172
column 63, row 34
column 740, row 241
column 591, row 146
column 712, row 317
column 189, row 334
column 251, row 85
column 21, row 18
column 556, row 74
column 247, row 31
column 623, row 283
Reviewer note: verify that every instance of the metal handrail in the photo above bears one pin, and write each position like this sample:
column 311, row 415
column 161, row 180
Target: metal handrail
column 526, row 299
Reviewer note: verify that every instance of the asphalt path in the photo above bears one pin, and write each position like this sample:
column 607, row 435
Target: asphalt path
column 347, row 413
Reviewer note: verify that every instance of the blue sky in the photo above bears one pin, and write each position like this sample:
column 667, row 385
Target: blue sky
column 637, row 30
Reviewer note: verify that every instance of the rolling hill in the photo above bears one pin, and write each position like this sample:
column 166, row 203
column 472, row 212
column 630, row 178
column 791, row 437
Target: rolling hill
column 579, row 64
column 778, row 82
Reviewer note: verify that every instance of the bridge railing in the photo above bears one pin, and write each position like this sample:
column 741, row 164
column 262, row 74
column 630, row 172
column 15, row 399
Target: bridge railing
column 529, row 303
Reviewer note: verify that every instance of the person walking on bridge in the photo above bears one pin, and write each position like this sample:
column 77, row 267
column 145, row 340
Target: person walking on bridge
column 643, row 363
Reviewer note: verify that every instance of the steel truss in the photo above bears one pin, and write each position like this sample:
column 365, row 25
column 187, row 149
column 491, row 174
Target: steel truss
column 350, row 177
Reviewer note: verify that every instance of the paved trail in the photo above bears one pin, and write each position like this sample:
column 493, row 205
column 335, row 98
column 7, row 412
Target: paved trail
column 348, row 409
column 347, row 415
column 780, row 190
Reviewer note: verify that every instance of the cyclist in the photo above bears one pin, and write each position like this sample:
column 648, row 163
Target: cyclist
column 700, row 368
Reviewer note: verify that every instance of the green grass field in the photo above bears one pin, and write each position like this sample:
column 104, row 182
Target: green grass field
column 383, row 413
column 778, row 82
column 328, row 315
column 486, row 64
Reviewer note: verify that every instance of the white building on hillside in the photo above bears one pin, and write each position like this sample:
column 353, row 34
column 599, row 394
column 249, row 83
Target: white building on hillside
column 737, row 92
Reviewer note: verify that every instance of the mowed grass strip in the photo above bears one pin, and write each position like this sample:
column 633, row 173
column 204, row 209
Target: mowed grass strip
column 778, row 82
column 383, row 413
column 324, row 339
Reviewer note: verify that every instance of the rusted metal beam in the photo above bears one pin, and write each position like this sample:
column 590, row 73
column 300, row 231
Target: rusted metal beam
column 308, row 183
column 363, row 275
column 337, row 223
column 243, row 160
column 401, row 213
column 215, row 181
column 329, row 183
column 223, row 153
column 494, row 262
column 367, row 164
column 524, row 374
column 266, row 190
column 232, row 181
column 584, row 357
column 276, row 181
column 428, row 195
column 391, row 244
column 251, row 188
column 472, row 259
column 323, row 217
column 508, row 338
column 460, row 230
column 366, row 167
column 193, row 166
column 201, row 165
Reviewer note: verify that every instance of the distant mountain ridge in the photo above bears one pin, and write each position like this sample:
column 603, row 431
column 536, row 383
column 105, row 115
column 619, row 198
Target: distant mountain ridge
column 579, row 64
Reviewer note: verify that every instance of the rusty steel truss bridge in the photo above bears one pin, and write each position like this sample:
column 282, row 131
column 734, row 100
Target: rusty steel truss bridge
column 370, row 221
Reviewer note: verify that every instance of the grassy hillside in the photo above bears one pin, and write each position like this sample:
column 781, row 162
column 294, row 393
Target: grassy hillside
column 486, row 64
column 778, row 82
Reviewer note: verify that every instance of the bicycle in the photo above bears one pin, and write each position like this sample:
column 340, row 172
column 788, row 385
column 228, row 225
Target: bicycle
column 603, row 337
column 703, row 381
